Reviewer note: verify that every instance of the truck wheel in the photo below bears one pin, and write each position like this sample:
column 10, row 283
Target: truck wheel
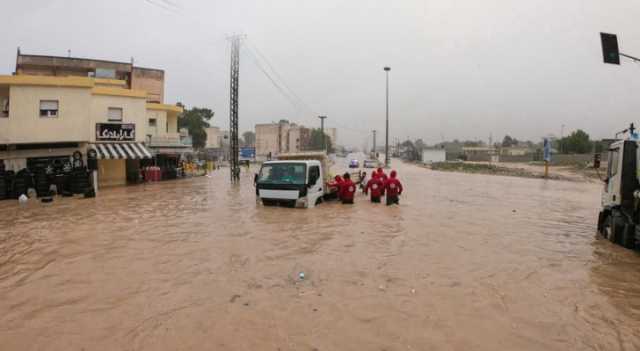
column 628, row 237
column 618, row 224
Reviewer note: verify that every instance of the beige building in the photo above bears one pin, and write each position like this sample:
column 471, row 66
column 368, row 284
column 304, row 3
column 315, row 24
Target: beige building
column 276, row 138
column 51, row 109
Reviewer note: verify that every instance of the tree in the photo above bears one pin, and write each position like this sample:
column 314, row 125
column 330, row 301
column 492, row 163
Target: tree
column 196, row 120
column 419, row 144
column 508, row 141
column 577, row 142
column 409, row 151
column 283, row 121
column 316, row 140
column 249, row 138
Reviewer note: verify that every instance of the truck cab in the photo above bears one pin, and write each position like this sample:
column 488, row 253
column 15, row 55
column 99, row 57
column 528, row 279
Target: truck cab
column 292, row 183
column 619, row 218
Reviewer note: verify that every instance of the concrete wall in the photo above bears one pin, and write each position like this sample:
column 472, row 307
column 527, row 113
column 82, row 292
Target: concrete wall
column 161, row 123
column 213, row 138
column 134, row 110
column 25, row 125
column 267, row 138
column 112, row 172
column 430, row 155
column 149, row 80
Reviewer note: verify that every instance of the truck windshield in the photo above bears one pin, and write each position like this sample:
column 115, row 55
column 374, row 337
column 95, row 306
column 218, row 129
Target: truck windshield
column 283, row 173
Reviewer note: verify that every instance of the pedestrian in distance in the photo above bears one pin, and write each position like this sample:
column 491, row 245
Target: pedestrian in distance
column 363, row 180
column 393, row 188
column 376, row 187
column 347, row 190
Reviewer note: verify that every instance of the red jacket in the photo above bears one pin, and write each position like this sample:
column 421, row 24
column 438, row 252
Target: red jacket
column 376, row 185
column 347, row 189
column 383, row 177
column 393, row 187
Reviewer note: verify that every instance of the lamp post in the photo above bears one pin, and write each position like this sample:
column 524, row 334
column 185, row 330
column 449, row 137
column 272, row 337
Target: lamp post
column 386, row 143
column 324, row 142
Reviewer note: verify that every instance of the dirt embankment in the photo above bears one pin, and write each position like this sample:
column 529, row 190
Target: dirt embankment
column 576, row 173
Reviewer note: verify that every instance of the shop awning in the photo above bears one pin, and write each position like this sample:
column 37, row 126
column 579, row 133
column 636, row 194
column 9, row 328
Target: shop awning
column 114, row 151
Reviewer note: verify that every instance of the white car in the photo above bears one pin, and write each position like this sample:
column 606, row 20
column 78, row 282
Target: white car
column 370, row 164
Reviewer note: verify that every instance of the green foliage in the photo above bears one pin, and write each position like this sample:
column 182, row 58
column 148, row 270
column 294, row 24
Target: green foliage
column 577, row 142
column 196, row 120
column 249, row 138
column 508, row 141
column 409, row 151
column 316, row 140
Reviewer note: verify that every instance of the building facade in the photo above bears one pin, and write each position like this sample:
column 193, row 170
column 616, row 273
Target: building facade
column 55, row 107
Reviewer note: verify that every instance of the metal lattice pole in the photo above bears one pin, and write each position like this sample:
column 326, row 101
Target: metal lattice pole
column 233, row 109
column 386, row 143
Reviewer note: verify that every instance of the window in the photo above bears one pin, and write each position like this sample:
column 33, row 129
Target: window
column 48, row 108
column 115, row 114
column 283, row 173
column 153, row 122
column 4, row 107
column 314, row 174
column 613, row 162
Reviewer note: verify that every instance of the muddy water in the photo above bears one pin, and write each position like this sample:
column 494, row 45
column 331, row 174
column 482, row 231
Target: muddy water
column 466, row 262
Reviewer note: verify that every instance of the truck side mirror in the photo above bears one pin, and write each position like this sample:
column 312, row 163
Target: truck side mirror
column 596, row 161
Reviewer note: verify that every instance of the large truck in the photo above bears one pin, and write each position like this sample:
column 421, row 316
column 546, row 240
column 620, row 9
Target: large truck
column 294, row 180
column 619, row 218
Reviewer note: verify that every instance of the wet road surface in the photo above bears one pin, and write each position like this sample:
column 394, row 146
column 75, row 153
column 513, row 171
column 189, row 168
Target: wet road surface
column 466, row 262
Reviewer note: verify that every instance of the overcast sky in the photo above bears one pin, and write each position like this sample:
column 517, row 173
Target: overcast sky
column 460, row 69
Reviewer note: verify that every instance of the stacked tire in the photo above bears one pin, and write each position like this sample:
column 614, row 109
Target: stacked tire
column 79, row 181
column 41, row 183
column 19, row 187
column 4, row 191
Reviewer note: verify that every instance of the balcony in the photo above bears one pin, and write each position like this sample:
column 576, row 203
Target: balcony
column 168, row 140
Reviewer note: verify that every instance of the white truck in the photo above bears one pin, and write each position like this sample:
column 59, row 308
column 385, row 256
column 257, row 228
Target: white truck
column 294, row 180
column 619, row 218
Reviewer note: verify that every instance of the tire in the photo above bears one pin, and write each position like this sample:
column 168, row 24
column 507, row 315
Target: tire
column 618, row 223
column 628, row 237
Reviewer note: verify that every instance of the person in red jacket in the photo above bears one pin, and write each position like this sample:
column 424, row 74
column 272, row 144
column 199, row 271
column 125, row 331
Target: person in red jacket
column 382, row 175
column 393, row 188
column 337, row 184
column 347, row 190
column 377, row 188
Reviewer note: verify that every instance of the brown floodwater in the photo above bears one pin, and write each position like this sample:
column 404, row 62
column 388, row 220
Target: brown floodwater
column 466, row 262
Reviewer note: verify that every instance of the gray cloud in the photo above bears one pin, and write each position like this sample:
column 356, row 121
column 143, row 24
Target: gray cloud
column 462, row 69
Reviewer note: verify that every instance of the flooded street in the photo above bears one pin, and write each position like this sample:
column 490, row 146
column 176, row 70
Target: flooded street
column 466, row 262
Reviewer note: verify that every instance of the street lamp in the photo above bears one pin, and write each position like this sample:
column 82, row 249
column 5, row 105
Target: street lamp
column 386, row 143
column 324, row 142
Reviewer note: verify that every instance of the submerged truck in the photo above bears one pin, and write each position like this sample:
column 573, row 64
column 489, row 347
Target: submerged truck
column 619, row 217
column 295, row 180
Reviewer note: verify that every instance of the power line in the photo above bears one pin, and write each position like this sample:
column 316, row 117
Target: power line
column 284, row 82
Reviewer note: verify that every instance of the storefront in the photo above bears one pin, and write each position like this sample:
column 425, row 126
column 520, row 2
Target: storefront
column 119, row 155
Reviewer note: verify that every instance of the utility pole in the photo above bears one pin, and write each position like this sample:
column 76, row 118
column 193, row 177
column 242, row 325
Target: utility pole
column 386, row 144
column 374, row 141
column 324, row 139
column 233, row 109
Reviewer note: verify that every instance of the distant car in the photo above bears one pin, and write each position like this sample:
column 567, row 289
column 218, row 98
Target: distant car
column 370, row 164
column 354, row 163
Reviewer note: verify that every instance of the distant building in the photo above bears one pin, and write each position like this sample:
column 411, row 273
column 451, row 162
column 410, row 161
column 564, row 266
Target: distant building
column 434, row 155
column 479, row 153
column 332, row 133
column 217, row 144
column 276, row 138
column 515, row 151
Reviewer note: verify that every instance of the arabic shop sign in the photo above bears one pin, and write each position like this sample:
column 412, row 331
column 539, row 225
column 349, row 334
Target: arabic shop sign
column 115, row 132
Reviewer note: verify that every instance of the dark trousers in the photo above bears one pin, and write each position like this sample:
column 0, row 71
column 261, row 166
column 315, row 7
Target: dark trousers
column 393, row 199
column 375, row 199
column 347, row 201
